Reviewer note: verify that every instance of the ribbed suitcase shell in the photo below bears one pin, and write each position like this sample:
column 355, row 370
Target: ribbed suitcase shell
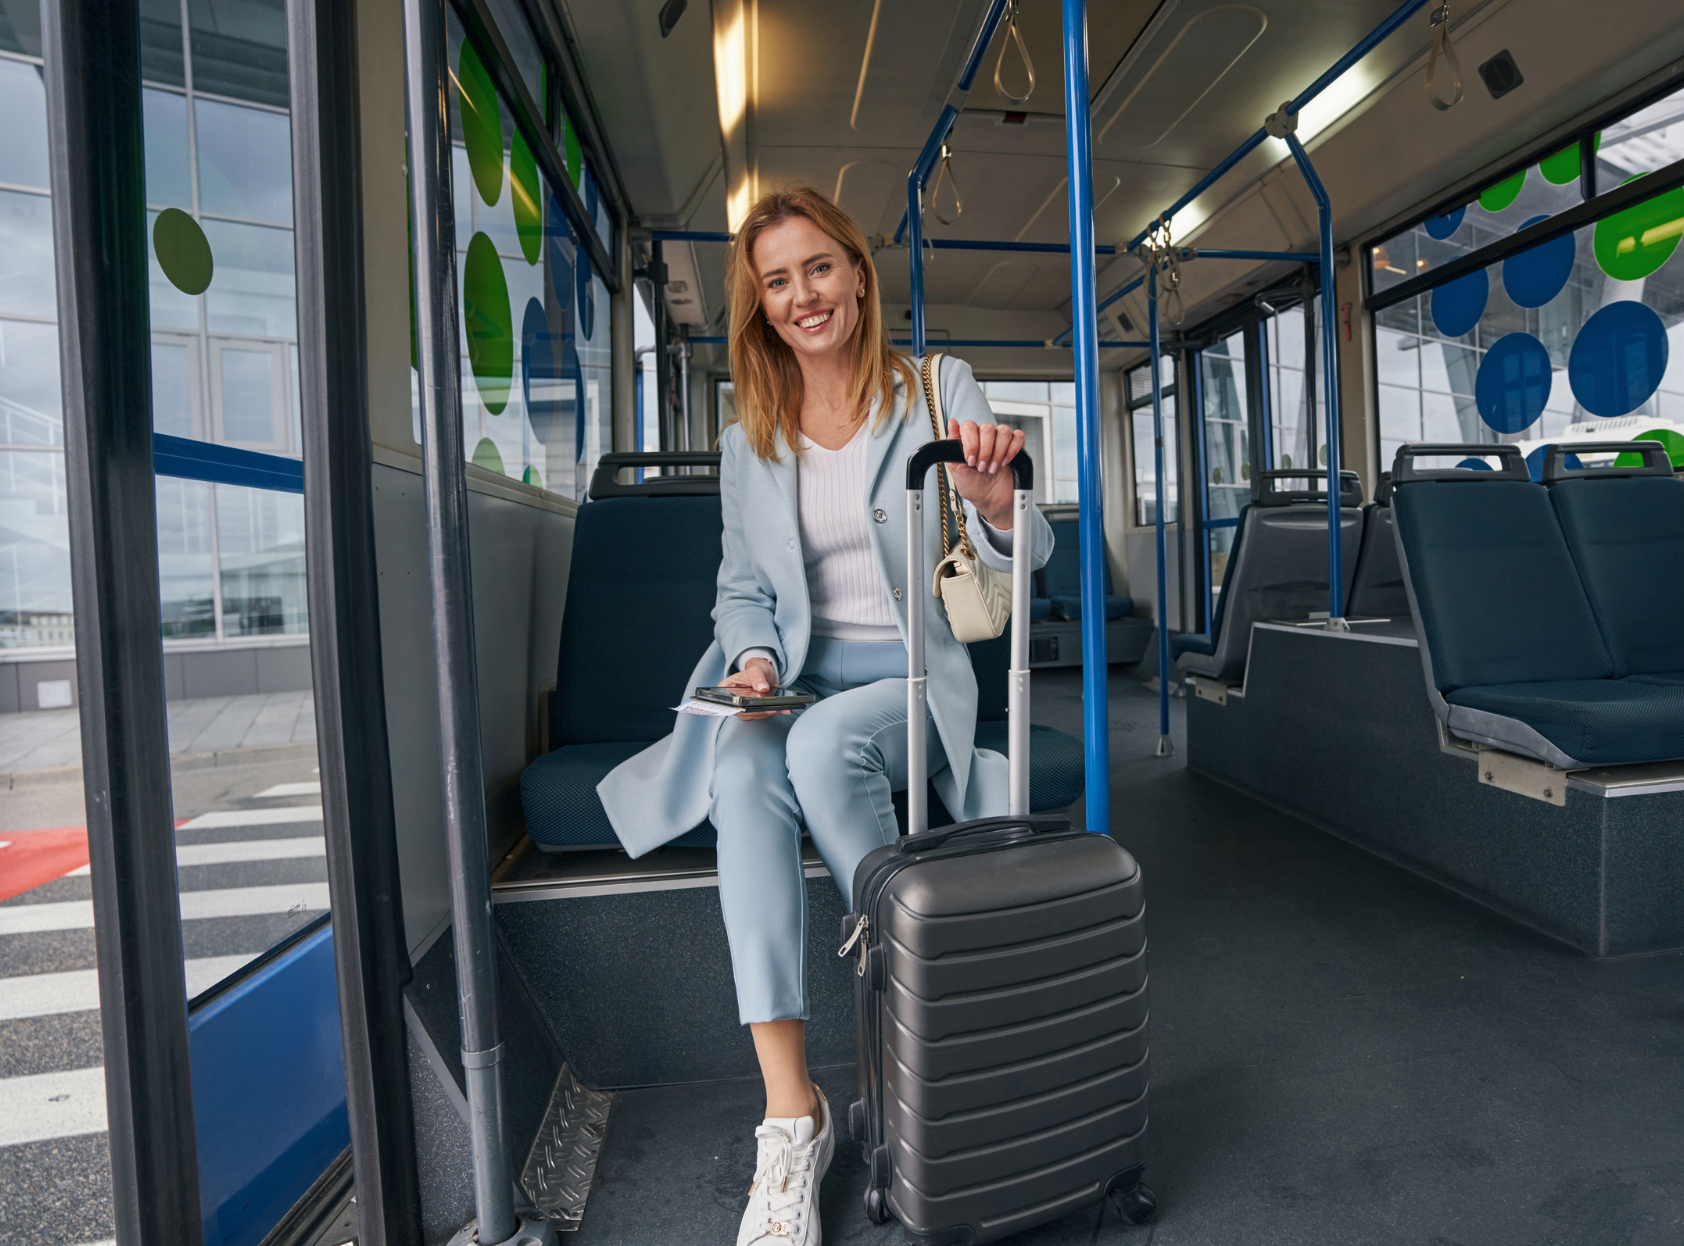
column 1002, row 1027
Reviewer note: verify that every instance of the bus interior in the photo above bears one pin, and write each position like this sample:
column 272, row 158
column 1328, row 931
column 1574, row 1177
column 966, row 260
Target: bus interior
column 1341, row 337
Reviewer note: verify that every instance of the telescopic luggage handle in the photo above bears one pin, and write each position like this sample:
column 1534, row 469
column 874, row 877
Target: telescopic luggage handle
column 917, row 683
column 929, row 841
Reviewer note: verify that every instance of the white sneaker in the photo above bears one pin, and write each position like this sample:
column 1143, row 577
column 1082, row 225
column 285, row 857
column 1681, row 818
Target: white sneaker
column 783, row 1202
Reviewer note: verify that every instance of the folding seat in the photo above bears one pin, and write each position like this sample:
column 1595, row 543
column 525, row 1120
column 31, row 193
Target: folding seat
column 1277, row 569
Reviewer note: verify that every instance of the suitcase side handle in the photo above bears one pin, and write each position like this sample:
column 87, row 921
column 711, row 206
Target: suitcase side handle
column 1040, row 824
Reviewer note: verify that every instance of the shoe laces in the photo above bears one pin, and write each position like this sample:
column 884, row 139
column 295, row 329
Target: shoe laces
column 781, row 1181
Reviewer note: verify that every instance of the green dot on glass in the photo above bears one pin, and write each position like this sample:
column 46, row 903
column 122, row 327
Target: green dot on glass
column 488, row 323
column 1632, row 244
column 482, row 124
column 1496, row 198
column 486, row 456
column 183, row 251
column 1563, row 167
column 1673, row 442
column 531, row 477
column 525, row 198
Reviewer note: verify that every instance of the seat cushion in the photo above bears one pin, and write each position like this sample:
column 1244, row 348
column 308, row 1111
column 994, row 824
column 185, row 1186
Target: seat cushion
column 1627, row 536
column 1663, row 678
column 1068, row 607
column 1192, row 642
column 1056, row 766
column 1040, row 609
column 558, row 794
column 1602, row 722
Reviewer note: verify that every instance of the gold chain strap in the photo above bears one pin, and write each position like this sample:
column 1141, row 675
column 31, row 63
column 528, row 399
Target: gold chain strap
column 941, row 475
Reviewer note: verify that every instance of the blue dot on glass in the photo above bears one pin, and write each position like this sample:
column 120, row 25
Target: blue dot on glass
column 1536, row 275
column 1535, row 463
column 1618, row 359
column 538, row 371
column 1474, row 465
column 1441, row 227
column 561, row 254
column 587, row 296
column 1513, row 383
column 1457, row 305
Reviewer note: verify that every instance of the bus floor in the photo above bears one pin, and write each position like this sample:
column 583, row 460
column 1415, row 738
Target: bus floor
column 1342, row 1053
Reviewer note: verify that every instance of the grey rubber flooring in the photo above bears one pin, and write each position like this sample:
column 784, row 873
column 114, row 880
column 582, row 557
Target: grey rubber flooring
column 1342, row 1052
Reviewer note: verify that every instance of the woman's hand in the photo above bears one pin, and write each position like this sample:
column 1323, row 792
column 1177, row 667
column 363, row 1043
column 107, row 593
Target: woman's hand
column 985, row 482
column 757, row 676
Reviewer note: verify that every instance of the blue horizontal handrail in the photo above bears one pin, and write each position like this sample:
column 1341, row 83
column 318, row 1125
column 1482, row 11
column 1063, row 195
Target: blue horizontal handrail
column 190, row 459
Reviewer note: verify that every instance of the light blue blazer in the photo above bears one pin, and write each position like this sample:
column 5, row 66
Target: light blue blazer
column 666, row 790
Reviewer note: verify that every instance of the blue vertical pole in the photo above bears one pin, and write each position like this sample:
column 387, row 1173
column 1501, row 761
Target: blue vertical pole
column 1330, row 377
column 1084, row 333
column 637, row 419
column 1165, row 745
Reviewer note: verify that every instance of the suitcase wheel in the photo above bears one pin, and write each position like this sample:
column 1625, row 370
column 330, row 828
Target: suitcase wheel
column 1138, row 1205
column 876, row 1209
column 856, row 1120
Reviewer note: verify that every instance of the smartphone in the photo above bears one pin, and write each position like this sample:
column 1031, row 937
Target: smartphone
column 749, row 699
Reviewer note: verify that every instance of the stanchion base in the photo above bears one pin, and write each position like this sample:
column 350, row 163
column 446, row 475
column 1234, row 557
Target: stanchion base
column 528, row 1232
column 1338, row 625
column 1166, row 746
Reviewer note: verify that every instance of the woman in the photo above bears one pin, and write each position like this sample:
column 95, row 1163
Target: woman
column 813, row 594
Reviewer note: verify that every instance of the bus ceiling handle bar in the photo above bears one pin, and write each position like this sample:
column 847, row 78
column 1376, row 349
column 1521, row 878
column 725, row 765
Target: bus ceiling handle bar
column 929, row 841
column 1404, row 470
column 952, row 451
column 1656, row 461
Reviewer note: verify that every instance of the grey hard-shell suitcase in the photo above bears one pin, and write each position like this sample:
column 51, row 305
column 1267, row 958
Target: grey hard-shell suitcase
column 1000, row 990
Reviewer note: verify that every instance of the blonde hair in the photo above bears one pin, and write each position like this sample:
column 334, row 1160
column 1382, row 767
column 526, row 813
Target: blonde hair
column 763, row 367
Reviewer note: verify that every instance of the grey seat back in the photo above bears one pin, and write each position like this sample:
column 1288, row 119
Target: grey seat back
column 1279, row 566
column 1377, row 591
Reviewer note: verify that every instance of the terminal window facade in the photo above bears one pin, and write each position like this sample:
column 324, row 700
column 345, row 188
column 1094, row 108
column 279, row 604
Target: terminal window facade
column 224, row 360
column 1046, row 412
column 1137, row 389
column 1578, row 337
column 1225, row 398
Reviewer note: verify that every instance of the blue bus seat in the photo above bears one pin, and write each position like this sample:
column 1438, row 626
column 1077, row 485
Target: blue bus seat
column 1062, row 577
column 1277, row 569
column 1624, row 526
column 1511, row 648
column 1377, row 590
column 650, row 630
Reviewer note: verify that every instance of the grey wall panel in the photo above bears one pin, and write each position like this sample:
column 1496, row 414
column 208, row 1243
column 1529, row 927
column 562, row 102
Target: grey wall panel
column 285, row 669
column 174, row 684
column 520, row 581
column 224, row 673
column 31, row 675
column 9, row 700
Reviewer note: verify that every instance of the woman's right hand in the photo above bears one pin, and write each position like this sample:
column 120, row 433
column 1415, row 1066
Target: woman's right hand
column 757, row 676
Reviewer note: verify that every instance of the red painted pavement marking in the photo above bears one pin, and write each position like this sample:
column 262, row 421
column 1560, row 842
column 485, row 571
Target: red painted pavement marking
column 31, row 858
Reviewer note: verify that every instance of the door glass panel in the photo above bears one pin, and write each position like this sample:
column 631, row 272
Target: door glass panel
column 26, row 254
column 172, row 389
column 260, row 540
column 1227, row 448
column 245, row 161
column 186, row 560
column 248, row 395
column 169, row 183
column 23, row 139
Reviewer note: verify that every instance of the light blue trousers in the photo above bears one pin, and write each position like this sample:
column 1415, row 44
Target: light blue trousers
column 830, row 768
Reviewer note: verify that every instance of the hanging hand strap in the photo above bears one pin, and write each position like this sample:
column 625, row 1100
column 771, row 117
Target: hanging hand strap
column 1439, row 21
column 945, row 173
column 1012, row 32
column 932, row 399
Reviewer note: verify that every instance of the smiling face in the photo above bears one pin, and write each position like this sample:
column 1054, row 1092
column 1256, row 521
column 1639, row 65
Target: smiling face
column 810, row 287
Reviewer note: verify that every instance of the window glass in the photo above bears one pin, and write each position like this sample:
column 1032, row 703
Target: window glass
column 1227, row 451
column 161, row 58
column 533, row 317
column 247, row 391
column 26, row 255
column 169, row 180
column 171, row 308
column 34, row 550
column 186, row 559
column 523, row 46
column 240, row 49
column 30, row 411
column 23, row 137
column 1138, row 394
column 20, row 27
column 173, row 381
column 260, row 547
column 1046, row 412
column 1296, row 436
column 1648, row 139
column 245, row 161
column 254, row 292
column 1579, row 338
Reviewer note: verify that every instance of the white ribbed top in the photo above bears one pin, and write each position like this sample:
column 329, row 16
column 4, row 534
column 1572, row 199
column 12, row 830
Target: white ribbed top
column 844, row 589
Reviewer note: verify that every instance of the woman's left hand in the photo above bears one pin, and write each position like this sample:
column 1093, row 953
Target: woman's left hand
column 984, row 481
